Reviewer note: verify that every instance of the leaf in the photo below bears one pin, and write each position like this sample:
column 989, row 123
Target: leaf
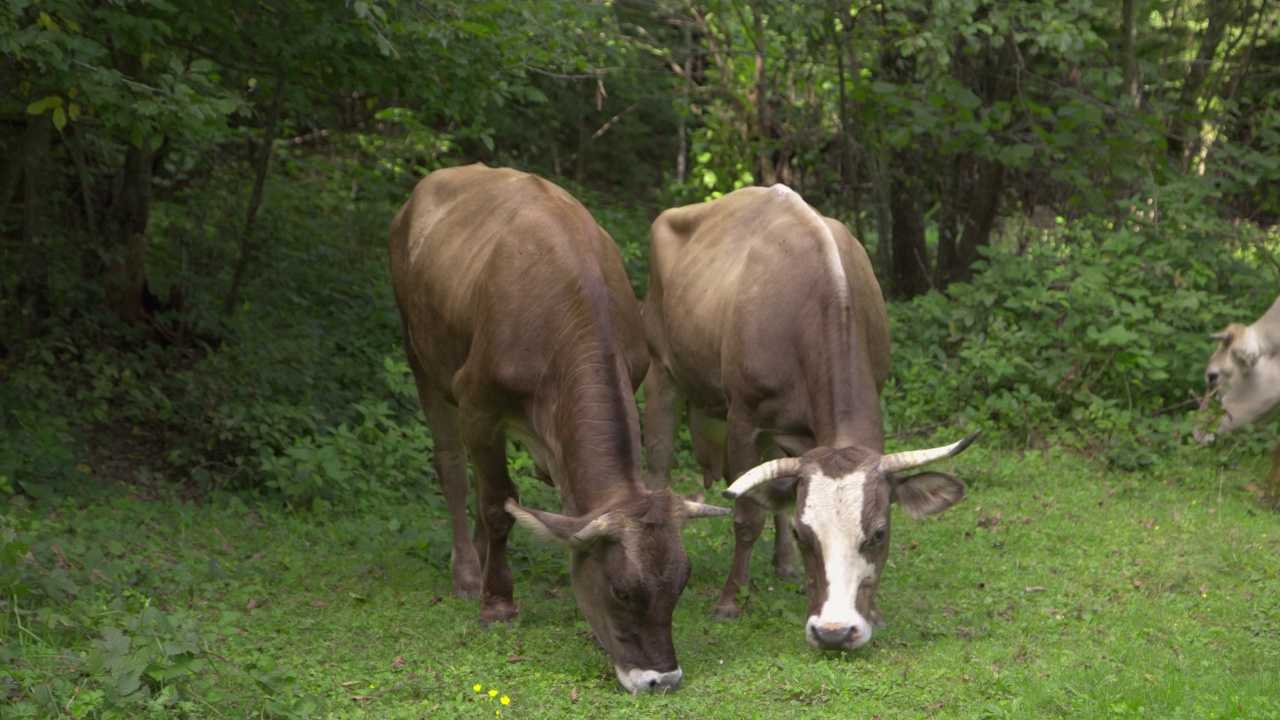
column 44, row 103
column 73, row 111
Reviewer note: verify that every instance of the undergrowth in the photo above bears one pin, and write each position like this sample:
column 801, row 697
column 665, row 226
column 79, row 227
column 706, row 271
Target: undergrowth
column 1092, row 334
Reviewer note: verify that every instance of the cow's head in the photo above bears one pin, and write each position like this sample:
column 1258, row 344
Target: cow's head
column 1245, row 374
column 628, row 567
column 841, row 525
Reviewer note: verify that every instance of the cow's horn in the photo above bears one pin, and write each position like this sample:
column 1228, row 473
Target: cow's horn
column 897, row 462
column 762, row 473
column 607, row 525
column 700, row 510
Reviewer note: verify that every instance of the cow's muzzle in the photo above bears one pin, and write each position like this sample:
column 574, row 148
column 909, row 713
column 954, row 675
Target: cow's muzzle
column 838, row 636
column 637, row 680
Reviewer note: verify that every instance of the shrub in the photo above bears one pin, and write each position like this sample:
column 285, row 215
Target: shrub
column 1092, row 332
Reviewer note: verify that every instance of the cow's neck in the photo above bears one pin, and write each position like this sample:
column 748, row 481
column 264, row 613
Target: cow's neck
column 843, row 400
column 592, row 432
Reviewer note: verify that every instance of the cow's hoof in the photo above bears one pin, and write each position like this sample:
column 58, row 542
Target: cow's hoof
column 726, row 612
column 504, row 613
column 466, row 589
column 788, row 573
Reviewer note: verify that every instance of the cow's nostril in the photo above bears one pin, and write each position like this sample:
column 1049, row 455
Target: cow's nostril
column 835, row 636
column 653, row 683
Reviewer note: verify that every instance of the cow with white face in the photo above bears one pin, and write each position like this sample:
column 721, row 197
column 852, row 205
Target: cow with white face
column 1244, row 374
column 765, row 318
column 841, row 523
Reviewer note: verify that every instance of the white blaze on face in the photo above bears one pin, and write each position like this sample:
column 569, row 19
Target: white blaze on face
column 833, row 510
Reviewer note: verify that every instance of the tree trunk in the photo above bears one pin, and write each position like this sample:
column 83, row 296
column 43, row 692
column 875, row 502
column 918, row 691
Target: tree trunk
column 764, row 155
column 1129, row 32
column 910, row 256
column 847, row 178
column 980, row 220
column 33, row 283
column 682, row 131
column 879, row 181
column 910, row 265
column 1184, row 130
column 262, row 163
column 974, row 199
column 950, row 218
column 124, row 227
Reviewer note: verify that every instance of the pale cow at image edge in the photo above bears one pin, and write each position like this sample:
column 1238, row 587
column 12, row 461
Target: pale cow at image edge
column 1243, row 374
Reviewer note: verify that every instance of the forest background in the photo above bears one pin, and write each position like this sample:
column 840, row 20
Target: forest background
column 1061, row 201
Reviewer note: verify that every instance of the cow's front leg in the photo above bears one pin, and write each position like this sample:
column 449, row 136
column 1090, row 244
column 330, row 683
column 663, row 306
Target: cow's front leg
column 748, row 520
column 707, row 436
column 487, row 445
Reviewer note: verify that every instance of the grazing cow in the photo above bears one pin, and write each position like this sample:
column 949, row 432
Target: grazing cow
column 1244, row 373
column 764, row 316
column 518, row 321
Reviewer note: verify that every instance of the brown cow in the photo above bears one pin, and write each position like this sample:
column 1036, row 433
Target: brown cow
column 1244, row 372
column 519, row 321
column 766, row 318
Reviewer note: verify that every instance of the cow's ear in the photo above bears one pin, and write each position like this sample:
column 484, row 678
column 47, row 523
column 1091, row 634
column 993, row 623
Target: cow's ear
column 562, row 529
column 1246, row 350
column 927, row 493
column 776, row 495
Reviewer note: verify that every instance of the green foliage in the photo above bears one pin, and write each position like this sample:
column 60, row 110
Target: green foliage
column 380, row 458
column 87, row 635
column 1091, row 333
column 1001, row 607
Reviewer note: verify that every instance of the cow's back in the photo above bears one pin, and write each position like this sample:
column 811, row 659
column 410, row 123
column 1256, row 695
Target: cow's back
column 498, row 265
column 741, row 282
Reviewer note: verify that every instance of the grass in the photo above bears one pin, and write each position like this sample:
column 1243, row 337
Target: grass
column 1058, row 588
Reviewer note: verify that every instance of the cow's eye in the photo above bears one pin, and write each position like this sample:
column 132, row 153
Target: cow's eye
column 877, row 537
column 619, row 594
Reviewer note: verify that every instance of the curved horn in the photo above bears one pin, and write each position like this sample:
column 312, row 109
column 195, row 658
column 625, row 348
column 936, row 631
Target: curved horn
column 700, row 510
column 761, row 474
column 607, row 525
column 897, row 462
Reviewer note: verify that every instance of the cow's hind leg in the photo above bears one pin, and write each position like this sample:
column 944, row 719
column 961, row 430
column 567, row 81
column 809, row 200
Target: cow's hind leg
column 450, row 463
column 662, row 404
column 707, row 436
column 785, row 564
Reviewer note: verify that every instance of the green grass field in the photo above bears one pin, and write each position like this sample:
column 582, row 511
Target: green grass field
column 1058, row 588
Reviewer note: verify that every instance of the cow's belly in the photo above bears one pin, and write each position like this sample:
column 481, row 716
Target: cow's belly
column 694, row 322
column 696, row 371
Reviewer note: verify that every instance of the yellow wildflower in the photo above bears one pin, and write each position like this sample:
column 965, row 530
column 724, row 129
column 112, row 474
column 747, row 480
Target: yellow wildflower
column 477, row 687
column 506, row 700
column 493, row 693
